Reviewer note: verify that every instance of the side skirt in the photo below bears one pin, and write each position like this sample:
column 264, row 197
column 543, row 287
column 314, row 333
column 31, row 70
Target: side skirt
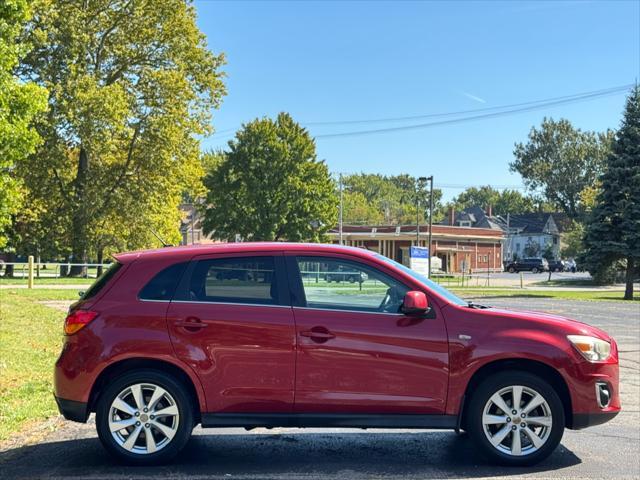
column 322, row 420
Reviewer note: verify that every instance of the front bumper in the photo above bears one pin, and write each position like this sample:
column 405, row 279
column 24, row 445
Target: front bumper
column 584, row 420
column 72, row 410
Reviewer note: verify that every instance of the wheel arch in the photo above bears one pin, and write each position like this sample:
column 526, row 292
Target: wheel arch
column 132, row 364
column 543, row 370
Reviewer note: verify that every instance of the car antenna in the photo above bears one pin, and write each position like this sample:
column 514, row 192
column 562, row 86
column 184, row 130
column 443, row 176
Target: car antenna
column 164, row 244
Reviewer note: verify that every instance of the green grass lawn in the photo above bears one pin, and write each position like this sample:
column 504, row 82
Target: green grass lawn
column 47, row 281
column 525, row 293
column 30, row 341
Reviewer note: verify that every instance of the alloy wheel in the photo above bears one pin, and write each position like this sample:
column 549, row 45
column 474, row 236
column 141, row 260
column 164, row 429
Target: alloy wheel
column 143, row 418
column 517, row 420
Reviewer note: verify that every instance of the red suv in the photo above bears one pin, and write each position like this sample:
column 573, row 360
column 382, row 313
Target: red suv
column 256, row 335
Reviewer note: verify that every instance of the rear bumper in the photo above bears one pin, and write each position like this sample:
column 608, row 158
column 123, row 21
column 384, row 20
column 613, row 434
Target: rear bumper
column 584, row 420
column 72, row 410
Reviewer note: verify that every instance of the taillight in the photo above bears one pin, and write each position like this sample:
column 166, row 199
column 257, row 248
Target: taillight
column 78, row 319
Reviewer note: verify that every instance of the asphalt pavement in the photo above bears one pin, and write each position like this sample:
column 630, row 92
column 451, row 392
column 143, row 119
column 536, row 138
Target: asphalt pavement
column 609, row 451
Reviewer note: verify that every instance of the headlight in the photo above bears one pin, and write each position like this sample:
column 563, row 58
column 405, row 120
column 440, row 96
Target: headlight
column 591, row 348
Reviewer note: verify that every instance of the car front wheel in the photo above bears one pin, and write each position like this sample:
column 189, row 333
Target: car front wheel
column 144, row 417
column 512, row 270
column 516, row 418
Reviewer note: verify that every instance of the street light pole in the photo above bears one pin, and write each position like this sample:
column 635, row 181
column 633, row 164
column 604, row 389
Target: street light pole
column 430, row 222
column 419, row 183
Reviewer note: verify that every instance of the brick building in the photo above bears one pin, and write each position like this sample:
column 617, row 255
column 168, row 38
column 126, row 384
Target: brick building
column 459, row 248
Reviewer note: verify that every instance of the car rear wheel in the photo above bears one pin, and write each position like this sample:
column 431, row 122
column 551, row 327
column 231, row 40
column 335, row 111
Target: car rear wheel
column 516, row 418
column 534, row 270
column 144, row 417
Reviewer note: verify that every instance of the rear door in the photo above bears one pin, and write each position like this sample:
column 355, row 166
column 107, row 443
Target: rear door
column 231, row 321
column 357, row 353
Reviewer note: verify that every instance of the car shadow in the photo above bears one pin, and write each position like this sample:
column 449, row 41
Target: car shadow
column 280, row 455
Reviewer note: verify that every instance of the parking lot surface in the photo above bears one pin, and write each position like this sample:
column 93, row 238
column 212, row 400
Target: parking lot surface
column 607, row 451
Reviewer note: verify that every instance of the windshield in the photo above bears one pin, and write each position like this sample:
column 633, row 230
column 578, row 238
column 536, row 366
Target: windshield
column 430, row 284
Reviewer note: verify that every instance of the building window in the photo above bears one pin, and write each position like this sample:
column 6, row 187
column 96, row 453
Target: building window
column 464, row 223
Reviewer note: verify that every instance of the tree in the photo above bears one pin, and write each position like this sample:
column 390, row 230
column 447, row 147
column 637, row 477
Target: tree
column 358, row 211
column 561, row 161
column 573, row 246
column 501, row 202
column 270, row 186
column 132, row 85
column 19, row 103
column 613, row 228
column 392, row 197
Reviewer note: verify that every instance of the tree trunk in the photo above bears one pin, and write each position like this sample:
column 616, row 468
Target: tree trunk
column 628, row 291
column 79, row 220
column 8, row 269
column 100, row 261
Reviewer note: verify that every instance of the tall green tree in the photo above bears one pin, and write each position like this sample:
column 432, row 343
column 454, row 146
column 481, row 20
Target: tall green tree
column 20, row 102
column 613, row 228
column 270, row 186
column 132, row 86
column 388, row 199
column 501, row 202
column 560, row 162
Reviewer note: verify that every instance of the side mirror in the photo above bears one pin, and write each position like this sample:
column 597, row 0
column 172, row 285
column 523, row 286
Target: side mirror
column 415, row 303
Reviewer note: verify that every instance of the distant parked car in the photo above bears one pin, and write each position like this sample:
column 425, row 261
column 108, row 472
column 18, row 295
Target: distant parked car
column 346, row 275
column 570, row 266
column 534, row 265
column 556, row 266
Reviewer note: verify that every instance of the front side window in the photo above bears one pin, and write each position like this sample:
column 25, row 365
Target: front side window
column 234, row 280
column 337, row 284
column 440, row 290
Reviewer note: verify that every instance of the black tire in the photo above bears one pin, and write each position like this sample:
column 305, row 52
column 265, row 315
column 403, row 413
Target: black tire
column 481, row 396
column 352, row 279
column 534, row 270
column 182, row 400
column 512, row 270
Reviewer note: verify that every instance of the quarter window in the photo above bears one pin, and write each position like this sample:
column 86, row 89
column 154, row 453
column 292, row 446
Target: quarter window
column 234, row 280
column 163, row 285
column 344, row 285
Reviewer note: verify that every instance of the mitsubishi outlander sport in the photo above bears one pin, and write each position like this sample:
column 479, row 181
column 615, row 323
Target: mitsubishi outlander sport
column 257, row 335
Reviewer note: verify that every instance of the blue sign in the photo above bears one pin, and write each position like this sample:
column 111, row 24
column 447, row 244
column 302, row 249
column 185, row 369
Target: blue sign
column 419, row 252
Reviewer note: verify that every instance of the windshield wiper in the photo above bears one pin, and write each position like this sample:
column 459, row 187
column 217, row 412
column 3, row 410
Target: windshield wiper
column 477, row 305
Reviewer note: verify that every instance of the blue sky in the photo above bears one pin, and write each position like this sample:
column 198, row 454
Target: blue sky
column 333, row 61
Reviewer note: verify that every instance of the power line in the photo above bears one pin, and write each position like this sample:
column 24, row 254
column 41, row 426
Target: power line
column 574, row 99
column 511, row 108
column 476, row 110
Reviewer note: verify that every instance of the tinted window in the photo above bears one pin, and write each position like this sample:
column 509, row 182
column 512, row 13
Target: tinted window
column 343, row 285
column 102, row 281
column 234, row 280
column 164, row 284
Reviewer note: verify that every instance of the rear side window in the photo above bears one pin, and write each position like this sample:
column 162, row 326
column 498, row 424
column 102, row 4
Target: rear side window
column 164, row 284
column 102, row 281
column 234, row 280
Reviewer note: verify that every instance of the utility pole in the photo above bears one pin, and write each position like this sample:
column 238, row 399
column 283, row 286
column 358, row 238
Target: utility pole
column 430, row 222
column 340, row 211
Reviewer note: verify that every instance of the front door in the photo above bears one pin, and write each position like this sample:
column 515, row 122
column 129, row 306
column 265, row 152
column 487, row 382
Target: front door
column 231, row 321
column 356, row 352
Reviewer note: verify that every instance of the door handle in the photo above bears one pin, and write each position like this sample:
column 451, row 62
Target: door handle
column 191, row 324
column 318, row 334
